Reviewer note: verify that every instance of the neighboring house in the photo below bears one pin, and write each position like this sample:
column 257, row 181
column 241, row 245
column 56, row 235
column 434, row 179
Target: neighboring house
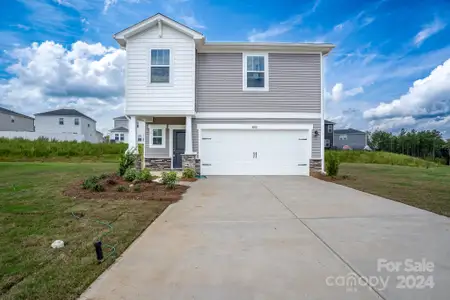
column 225, row 108
column 356, row 139
column 99, row 136
column 329, row 134
column 13, row 121
column 119, row 134
column 67, row 121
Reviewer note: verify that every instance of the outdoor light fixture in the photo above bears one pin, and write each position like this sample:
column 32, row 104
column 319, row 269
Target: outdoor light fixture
column 316, row 133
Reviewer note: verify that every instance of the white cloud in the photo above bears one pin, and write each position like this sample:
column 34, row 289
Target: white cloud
column 392, row 124
column 428, row 97
column 88, row 77
column 23, row 27
column 108, row 4
column 191, row 21
column 428, row 30
column 338, row 93
column 282, row 27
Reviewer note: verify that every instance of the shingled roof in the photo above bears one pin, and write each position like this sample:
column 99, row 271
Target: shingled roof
column 10, row 112
column 348, row 131
column 64, row 112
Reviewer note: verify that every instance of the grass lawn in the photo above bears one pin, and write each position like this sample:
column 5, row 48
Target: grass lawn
column 420, row 187
column 33, row 213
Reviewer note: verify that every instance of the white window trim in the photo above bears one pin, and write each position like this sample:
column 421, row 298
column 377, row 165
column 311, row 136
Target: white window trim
column 170, row 83
column 75, row 121
column 343, row 137
column 266, row 71
column 150, row 142
column 330, row 128
column 327, row 143
column 59, row 121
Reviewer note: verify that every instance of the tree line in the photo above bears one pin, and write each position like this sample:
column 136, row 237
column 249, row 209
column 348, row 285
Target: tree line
column 427, row 144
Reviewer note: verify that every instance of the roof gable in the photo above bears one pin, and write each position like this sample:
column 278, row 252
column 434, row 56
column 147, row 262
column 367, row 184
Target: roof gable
column 154, row 20
column 10, row 112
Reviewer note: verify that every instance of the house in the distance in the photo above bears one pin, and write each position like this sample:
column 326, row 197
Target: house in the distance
column 119, row 134
column 329, row 134
column 14, row 121
column 356, row 139
column 66, row 124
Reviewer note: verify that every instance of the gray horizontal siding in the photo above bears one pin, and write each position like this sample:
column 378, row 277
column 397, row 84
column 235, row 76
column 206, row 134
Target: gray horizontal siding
column 294, row 84
column 121, row 123
column 316, row 126
column 354, row 140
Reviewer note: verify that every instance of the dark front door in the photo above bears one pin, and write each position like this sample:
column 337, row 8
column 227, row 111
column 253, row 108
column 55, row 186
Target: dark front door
column 178, row 147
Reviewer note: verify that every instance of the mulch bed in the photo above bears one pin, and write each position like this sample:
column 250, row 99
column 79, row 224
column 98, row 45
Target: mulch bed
column 189, row 179
column 149, row 191
column 324, row 177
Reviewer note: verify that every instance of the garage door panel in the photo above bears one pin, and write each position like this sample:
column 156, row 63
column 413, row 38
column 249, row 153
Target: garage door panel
column 255, row 152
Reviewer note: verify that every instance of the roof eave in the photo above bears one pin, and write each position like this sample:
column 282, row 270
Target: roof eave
column 256, row 46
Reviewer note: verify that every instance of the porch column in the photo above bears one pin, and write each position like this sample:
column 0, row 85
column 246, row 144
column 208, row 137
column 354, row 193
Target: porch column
column 132, row 141
column 188, row 136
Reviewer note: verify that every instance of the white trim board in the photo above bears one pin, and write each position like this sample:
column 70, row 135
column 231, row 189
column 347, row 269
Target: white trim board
column 257, row 126
column 256, row 115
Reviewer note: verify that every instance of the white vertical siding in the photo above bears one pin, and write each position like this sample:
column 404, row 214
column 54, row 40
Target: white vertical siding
column 175, row 98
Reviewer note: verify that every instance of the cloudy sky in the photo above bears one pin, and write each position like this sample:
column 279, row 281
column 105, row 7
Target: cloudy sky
column 390, row 69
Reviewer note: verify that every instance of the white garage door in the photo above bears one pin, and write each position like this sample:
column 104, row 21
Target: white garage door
column 254, row 152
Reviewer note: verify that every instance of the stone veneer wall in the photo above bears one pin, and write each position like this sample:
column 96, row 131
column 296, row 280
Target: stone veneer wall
column 315, row 165
column 158, row 164
column 138, row 162
column 190, row 161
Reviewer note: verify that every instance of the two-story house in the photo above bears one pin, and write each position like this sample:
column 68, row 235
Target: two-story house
column 353, row 138
column 13, row 121
column 119, row 134
column 227, row 108
column 67, row 121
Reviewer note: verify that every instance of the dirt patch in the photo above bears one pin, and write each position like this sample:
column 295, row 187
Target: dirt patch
column 189, row 179
column 115, row 188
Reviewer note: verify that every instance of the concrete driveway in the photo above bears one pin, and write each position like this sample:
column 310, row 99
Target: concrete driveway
column 282, row 238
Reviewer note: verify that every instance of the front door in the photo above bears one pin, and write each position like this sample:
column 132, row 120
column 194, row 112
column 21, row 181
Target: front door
column 178, row 147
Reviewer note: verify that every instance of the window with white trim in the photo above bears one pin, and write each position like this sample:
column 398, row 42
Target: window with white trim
column 61, row 121
column 255, row 72
column 343, row 137
column 116, row 137
column 139, row 138
column 160, row 66
column 122, row 137
column 76, row 121
column 327, row 143
column 157, row 136
column 330, row 128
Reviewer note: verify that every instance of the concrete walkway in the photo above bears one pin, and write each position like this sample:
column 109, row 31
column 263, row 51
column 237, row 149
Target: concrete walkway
column 280, row 238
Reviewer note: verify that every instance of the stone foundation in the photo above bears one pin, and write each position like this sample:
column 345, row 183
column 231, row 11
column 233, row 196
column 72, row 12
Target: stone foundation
column 189, row 161
column 138, row 162
column 158, row 164
column 315, row 165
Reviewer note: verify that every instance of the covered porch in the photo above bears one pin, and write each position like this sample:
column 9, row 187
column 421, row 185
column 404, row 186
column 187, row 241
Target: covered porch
column 167, row 142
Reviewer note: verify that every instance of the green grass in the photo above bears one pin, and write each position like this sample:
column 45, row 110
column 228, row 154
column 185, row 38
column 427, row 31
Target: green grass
column 34, row 213
column 379, row 157
column 428, row 189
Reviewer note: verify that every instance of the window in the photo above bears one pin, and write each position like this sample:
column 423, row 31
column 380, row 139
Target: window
column 330, row 128
column 122, row 137
column 12, row 119
column 160, row 66
column 76, row 121
column 137, row 124
column 89, row 125
column 255, row 72
column 157, row 136
column 343, row 137
column 61, row 121
column 116, row 137
column 139, row 138
column 327, row 143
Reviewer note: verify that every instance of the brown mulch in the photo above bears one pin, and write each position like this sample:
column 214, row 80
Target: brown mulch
column 149, row 191
column 189, row 179
column 324, row 177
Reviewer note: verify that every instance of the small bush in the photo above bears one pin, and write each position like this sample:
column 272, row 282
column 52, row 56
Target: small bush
column 103, row 176
column 169, row 179
column 97, row 188
column 332, row 164
column 131, row 174
column 121, row 188
column 188, row 173
column 89, row 182
column 137, row 188
column 126, row 161
column 145, row 175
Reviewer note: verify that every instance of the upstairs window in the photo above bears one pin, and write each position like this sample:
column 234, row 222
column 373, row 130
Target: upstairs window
column 61, row 121
column 160, row 66
column 76, row 121
column 255, row 72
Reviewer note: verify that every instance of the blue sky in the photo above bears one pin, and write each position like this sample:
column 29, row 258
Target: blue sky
column 386, row 52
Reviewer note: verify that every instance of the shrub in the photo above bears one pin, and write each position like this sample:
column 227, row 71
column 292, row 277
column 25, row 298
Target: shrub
column 97, row 188
column 103, row 176
column 126, row 161
column 121, row 188
column 131, row 174
column 145, row 175
column 188, row 173
column 169, row 179
column 332, row 164
column 89, row 182
column 137, row 188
